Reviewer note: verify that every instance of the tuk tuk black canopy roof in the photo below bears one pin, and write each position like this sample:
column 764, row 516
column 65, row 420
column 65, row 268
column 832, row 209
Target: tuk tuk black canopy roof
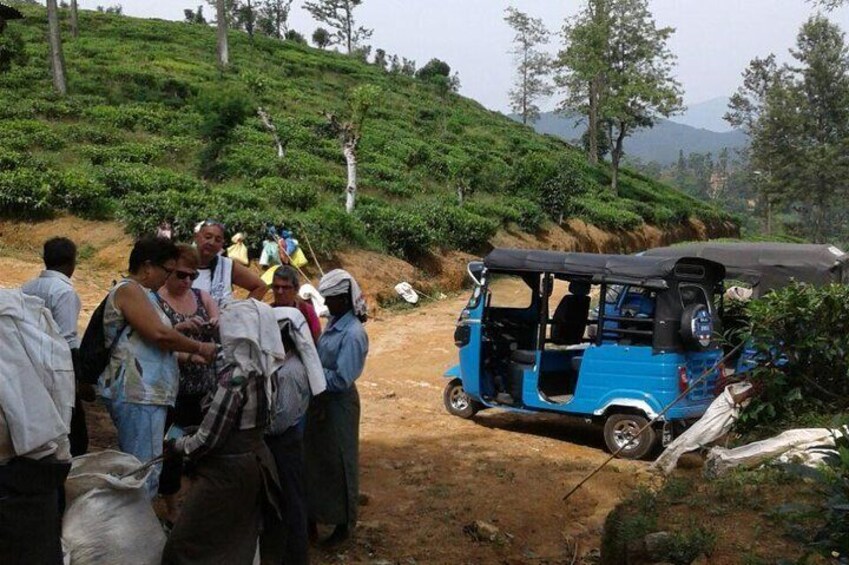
column 767, row 266
column 627, row 269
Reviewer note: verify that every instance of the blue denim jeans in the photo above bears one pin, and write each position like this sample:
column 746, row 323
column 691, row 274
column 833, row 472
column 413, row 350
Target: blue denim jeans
column 141, row 430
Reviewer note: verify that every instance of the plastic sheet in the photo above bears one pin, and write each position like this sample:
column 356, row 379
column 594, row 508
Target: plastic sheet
column 715, row 423
column 109, row 519
column 806, row 446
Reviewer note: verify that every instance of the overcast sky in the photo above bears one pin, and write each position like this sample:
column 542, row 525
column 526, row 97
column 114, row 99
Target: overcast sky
column 714, row 41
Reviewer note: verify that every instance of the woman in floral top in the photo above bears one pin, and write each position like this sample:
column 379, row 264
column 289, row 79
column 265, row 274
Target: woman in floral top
column 193, row 313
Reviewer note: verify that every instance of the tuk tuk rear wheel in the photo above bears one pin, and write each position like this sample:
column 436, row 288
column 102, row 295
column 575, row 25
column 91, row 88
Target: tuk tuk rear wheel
column 619, row 429
column 457, row 402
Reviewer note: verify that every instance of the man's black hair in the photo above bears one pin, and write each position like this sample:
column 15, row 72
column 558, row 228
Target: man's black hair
column 288, row 273
column 157, row 250
column 59, row 252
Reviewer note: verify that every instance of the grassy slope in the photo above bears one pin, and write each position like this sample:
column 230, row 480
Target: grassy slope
column 136, row 94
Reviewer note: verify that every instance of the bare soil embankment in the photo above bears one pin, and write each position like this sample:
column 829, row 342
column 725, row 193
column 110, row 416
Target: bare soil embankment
column 426, row 474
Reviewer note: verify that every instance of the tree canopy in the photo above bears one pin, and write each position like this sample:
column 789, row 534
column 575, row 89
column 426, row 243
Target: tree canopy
column 797, row 116
column 532, row 65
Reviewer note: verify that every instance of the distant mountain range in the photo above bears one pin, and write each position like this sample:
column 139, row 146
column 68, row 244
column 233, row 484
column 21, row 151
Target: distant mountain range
column 688, row 132
column 706, row 115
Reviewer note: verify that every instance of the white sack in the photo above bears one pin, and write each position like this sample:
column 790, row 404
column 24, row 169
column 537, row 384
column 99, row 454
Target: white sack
column 407, row 292
column 251, row 340
column 36, row 380
column 300, row 334
column 786, row 446
column 308, row 292
column 716, row 422
column 109, row 520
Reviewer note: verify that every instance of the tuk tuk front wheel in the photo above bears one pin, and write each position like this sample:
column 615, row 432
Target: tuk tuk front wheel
column 619, row 429
column 457, row 402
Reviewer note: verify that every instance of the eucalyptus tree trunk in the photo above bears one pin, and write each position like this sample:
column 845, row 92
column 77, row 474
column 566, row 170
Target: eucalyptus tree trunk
column 616, row 157
column 269, row 125
column 57, row 61
column 75, row 29
column 349, row 148
column 593, row 121
column 223, row 48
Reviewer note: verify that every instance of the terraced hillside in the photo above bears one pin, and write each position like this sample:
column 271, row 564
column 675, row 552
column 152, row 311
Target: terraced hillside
column 152, row 130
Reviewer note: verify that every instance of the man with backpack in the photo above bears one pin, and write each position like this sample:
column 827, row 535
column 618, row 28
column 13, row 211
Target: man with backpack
column 54, row 286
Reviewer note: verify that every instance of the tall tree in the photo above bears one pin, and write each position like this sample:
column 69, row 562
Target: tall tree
column 246, row 16
column 57, row 59
column 321, row 38
column 273, row 17
column 639, row 86
column 617, row 70
column 350, row 131
column 797, row 117
column 338, row 15
column 74, row 21
column 223, row 45
column 582, row 66
column 532, row 65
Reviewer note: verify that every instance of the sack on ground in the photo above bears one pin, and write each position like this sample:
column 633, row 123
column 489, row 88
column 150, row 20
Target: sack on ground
column 108, row 519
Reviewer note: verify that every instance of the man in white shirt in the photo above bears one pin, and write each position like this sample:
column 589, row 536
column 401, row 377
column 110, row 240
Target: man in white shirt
column 54, row 286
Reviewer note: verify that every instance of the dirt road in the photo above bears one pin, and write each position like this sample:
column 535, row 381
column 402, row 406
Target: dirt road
column 427, row 474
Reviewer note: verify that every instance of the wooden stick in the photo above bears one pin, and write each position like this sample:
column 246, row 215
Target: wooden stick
column 613, row 455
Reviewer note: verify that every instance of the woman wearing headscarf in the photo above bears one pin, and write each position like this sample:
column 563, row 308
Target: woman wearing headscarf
column 236, row 487
column 218, row 274
column 331, row 437
column 300, row 378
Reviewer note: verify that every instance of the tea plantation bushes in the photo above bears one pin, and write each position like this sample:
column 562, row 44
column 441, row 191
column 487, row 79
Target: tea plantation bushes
column 79, row 192
column 605, row 213
column 146, row 117
column 527, row 215
column 454, row 227
column 26, row 193
column 124, row 153
column 329, row 228
column 127, row 178
column 401, row 233
column 283, row 193
column 25, row 134
column 803, row 334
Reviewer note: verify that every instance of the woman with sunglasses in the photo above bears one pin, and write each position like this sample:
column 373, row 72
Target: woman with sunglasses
column 193, row 313
column 218, row 274
column 140, row 382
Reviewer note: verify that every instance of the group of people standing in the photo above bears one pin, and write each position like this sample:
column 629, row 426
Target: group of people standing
column 271, row 443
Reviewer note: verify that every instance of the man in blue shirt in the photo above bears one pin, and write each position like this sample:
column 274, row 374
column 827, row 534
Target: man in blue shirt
column 54, row 286
column 333, row 419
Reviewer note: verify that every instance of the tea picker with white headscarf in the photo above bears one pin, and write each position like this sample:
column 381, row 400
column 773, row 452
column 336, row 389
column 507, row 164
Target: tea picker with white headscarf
column 332, row 431
column 299, row 379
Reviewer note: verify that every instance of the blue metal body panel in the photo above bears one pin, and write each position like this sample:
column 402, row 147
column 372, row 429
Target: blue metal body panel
column 610, row 375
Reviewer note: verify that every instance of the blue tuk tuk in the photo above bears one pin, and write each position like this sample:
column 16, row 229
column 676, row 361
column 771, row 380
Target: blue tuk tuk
column 541, row 349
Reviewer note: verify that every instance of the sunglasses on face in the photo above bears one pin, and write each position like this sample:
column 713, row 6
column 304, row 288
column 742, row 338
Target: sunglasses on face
column 183, row 275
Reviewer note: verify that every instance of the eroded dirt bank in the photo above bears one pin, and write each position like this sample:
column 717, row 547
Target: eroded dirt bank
column 426, row 474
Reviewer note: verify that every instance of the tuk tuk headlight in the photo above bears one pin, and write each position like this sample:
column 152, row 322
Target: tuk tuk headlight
column 462, row 335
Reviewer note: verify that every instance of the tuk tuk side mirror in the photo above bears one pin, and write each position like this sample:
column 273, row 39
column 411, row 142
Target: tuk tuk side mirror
column 476, row 269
